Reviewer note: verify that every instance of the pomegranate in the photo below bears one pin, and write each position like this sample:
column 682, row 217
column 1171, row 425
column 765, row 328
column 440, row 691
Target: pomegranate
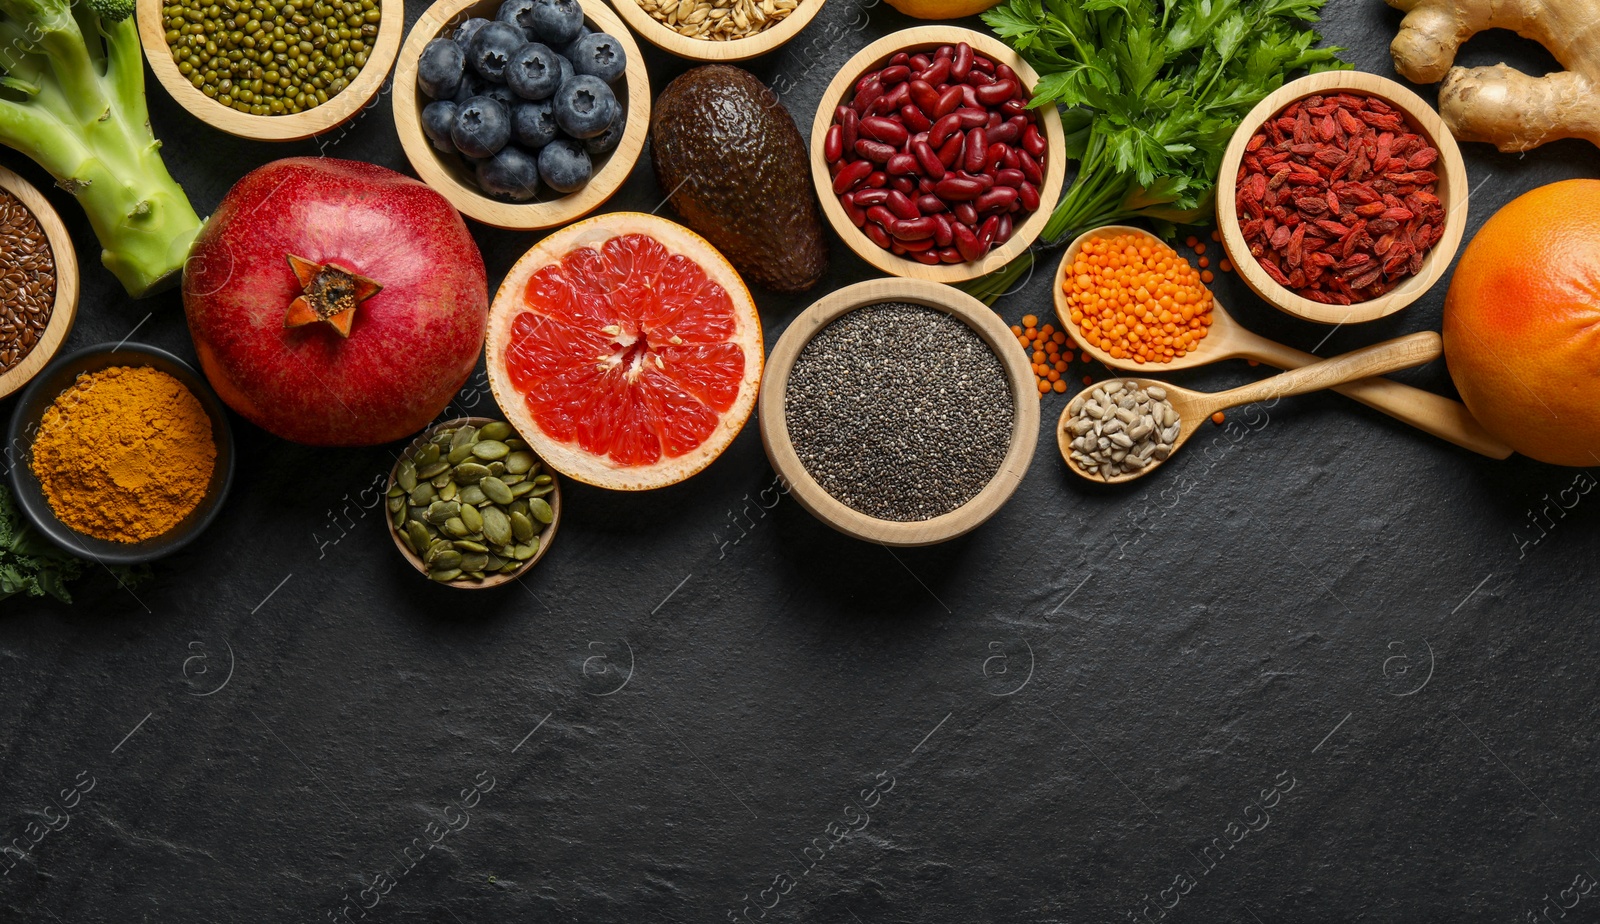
column 335, row 303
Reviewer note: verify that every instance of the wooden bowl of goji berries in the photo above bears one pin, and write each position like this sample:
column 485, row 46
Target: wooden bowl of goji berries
column 1342, row 197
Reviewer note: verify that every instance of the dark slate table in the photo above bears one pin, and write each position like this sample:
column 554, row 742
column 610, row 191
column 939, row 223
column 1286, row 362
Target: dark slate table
column 1321, row 668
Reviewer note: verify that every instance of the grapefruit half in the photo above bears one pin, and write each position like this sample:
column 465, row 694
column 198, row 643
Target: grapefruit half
column 626, row 350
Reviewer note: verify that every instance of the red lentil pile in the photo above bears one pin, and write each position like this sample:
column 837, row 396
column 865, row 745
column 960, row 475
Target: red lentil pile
column 1335, row 198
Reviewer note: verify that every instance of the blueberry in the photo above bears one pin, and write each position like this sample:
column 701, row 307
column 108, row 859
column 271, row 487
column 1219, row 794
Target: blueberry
column 534, row 72
column 566, row 71
column 511, row 174
column 599, row 55
column 518, row 13
column 533, row 124
column 467, row 30
column 564, row 165
column 584, row 106
column 501, row 92
column 482, row 127
column 471, row 85
column 556, row 22
column 440, row 67
column 566, row 50
column 438, row 117
column 606, row 141
column 492, row 46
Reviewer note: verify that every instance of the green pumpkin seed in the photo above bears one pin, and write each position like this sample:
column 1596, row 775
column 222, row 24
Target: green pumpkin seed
column 396, row 491
column 496, row 526
column 444, row 577
column 527, row 550
column 471, row 494
column 542, row 490
column 463, row 436
column 470, row 472
column 459, row 454
column 418, row 535
column 490, row 450
column 467, row 545
column 495, row 563
column 496, row 490
column 448, row 492
column 405, row 538
column 497, row 430
column 435, row 546
column 434, row 470
column 522, row 488
column 397, row 503
column 428, row 455
column 439, row 481
column 513, row 480
column 497, row 469
column 444, row 561
column 515, row 444
column 474, row 561
column 440, row 511
column 510, row 567
column 398, row 518
column 473, row 519
column 522, row 527
column 455, row 528
column 422, row 495
column 540, row 510
column 406, row 478
column 518, row 463
column 520, row 506
column 543, row 479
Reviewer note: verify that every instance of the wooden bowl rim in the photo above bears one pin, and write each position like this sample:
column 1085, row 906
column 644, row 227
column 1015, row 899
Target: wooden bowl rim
column 811, row 495
column 64, row 310
column 518, row 216
column 1454, row 195
column 696, row 49
column 547, row 536
column 340, row 108
column 917, row 38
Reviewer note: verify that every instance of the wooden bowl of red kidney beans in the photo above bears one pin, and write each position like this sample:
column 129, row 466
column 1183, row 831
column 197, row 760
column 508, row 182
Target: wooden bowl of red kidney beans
column 928, row 161
column 1342, row 198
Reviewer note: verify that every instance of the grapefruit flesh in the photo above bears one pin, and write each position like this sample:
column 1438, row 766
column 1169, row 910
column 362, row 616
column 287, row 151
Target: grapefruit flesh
column 626, row 350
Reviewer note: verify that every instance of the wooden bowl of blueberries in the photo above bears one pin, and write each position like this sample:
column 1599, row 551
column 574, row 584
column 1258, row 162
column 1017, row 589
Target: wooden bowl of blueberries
column 525, row 114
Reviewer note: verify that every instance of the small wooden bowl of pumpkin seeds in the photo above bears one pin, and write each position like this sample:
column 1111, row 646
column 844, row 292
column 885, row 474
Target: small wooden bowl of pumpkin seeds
column 470, row 505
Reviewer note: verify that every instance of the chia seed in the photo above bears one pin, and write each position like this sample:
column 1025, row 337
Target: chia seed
column 900, row 412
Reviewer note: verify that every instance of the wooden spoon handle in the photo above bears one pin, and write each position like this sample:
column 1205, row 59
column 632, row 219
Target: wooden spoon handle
column 1443, row 417
column 1399, row 353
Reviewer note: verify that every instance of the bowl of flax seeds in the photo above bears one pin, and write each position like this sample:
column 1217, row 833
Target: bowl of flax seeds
column 38, row 282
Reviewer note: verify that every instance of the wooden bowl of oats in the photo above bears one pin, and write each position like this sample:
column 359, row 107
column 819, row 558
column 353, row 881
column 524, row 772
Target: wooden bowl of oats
column 717, row 30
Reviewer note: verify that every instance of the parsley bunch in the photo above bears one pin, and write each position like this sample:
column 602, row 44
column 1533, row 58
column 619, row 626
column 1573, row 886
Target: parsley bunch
column 1152, row 91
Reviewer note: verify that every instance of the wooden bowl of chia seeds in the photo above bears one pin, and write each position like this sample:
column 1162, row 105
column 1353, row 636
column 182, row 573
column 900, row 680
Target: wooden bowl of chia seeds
column 899, row 411
column 38, row 283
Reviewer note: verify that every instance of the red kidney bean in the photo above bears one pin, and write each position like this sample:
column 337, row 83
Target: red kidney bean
column 876, row 177
column 925, row 186
column 942, row 129
column 977, row 148
column 987, row 232
column 928, row 159
column 1009, row 177
column 1006, row 132
column 995, row 157
column 914, row 118
column 885, row 130
column 930, row 204
column 857, row 216
column 866, row 96
column 1002, row 72
column 866, row 197
column 901, row 205
column 949, row 99
column 999, row 197
column 996, row 93
column 851, row 123
column 900, row 57
column 1014, row 107
column 923, row 95
column 962, row 63
column 979, row 79
column 1033, row 142
column 893, row 74
column 920, row 61
column 951, row 149
column 896, row 248
column 965, row 213
column 894, row 99
column 1013, row 159
column 915, row 229
column 966, row 242
column 971, row 117
column 983, row 64
column 901, row 164
column 1003, row 232
column 994, row 122
column 881, row 215
column 839, row 111
column 1030, row 168
column 928, row 257
column 951, row 255
column 914, row 247
column 938, row 72
column 1028, row 195
column 903, row 183
column 944, row 51
column 833, row 144
column 958, row 188
column 878, row 235
column 874, row 150
column 943, row 232
column 969, row 97
column 851, row 175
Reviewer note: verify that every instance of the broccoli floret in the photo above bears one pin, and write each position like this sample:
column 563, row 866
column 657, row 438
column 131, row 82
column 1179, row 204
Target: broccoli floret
column 72, row 99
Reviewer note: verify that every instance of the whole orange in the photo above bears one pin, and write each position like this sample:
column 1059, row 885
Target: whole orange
column 1522, row 324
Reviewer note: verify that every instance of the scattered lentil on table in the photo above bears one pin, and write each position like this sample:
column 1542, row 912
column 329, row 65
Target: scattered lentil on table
column 900, row 412
column 271, row 58
column 27, row 281
column 719, row 20
column 1122, row 428
column 124, row 454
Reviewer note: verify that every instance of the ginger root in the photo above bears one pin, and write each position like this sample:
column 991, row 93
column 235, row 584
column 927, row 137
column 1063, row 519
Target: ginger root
column 1501, row 105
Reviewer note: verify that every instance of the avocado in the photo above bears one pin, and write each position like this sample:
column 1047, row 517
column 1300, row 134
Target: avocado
column 735, row 168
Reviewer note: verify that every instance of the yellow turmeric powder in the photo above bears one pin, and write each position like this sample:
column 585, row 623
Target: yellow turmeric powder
column 124, row 454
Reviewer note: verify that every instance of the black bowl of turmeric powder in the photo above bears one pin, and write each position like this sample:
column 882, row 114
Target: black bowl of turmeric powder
column 120, row 453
